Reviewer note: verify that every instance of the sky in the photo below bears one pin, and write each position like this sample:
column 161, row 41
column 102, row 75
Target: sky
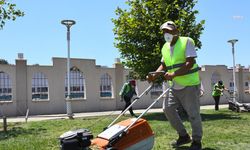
column 41, row 36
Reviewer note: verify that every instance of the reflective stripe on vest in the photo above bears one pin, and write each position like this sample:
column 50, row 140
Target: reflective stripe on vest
column 217, row 92
column 177, row 60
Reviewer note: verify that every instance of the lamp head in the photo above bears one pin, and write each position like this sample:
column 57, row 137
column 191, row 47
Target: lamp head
column 68, row 23
column 233, row 41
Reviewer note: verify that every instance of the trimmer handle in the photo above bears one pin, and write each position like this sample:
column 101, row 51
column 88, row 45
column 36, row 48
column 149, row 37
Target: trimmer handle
column 156, row 76
column 157, row 72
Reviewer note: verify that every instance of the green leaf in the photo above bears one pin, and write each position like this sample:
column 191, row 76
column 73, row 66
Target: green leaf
column 8, row 12
column 137, row 30
column 1, row 2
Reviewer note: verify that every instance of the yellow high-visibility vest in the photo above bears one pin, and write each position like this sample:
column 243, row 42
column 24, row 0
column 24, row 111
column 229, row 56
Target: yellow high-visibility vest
column 178, row 59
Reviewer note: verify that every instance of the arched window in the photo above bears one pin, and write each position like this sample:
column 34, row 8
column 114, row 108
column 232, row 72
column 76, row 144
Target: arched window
column 106, row 86
column 156, row 90
column 247, row 84
column 231, row 86
column 77, row 84
column 214, row 79
column 39, row 86
column 5, row 87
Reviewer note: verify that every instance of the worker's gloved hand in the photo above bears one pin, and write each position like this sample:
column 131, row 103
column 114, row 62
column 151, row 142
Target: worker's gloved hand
column 169, row 76
column 157, row 76
column 150, row 78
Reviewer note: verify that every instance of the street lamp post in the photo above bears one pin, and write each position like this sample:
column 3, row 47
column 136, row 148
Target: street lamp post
column 233, row 41
column 68, row 24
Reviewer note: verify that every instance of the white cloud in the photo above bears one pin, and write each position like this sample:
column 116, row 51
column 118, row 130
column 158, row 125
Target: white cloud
column 238, row 17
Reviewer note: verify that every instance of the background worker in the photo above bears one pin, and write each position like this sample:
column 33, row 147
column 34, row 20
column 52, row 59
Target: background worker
column 126, row 93
column 217, row 92
column 178, row 58
column 247, row 91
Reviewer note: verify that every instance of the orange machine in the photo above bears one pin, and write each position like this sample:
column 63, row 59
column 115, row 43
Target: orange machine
column 138, row 137
column 130, row 134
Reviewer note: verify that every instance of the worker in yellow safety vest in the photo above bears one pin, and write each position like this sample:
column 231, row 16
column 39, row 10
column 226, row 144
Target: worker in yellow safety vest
column 178, row 60
column 126, row 93
column 217, row 92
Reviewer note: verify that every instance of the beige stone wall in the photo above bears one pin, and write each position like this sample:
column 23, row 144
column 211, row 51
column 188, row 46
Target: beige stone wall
column 206, row 75
column 246, row 78
column 21, row 76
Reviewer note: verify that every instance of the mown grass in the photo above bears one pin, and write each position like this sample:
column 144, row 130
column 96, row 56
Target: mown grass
column 223, row 130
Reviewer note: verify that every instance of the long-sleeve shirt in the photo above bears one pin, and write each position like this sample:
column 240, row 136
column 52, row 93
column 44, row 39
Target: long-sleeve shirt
column 127, row 90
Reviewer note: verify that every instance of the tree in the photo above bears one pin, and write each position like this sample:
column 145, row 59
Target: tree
column 8, row 12
column 3, row 61
column 137, row 30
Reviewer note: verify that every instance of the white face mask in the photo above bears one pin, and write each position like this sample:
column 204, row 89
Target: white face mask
column 168, row 37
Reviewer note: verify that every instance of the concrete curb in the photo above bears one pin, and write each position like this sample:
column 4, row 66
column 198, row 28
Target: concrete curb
column 89, row 114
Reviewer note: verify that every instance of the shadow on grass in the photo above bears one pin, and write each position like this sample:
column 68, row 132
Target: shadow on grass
column 204, row 116
column 187, row 147
column 182, row 148
column 155, row 116
column 220, row 116
column 20, row 131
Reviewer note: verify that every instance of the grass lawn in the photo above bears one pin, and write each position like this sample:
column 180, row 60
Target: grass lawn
column 223, row 130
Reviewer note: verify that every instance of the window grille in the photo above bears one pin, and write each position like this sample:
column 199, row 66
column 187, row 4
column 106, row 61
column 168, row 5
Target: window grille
column 39, row 86
column 77, row 84
column 106, row 86
column 5, row 87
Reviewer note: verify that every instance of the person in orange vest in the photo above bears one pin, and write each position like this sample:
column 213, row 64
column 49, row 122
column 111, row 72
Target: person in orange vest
column 126, row 93
column 178, row 60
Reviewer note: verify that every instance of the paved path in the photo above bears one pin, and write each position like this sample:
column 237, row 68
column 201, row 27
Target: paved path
column 88, row 114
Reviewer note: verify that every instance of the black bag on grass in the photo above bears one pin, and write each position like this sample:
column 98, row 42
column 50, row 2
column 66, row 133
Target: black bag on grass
column 76, row 140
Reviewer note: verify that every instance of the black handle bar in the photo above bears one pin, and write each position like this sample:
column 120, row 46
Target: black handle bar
column 157, row 72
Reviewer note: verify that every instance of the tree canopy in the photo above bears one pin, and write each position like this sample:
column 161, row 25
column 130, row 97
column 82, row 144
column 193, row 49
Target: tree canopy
column 8, row 11
column 137, row 31
column 3, row 61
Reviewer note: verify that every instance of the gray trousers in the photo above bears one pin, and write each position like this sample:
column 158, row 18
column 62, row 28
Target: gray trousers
column 189, row 99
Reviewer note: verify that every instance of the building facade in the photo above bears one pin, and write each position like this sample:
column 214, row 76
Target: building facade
column 43, row 89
